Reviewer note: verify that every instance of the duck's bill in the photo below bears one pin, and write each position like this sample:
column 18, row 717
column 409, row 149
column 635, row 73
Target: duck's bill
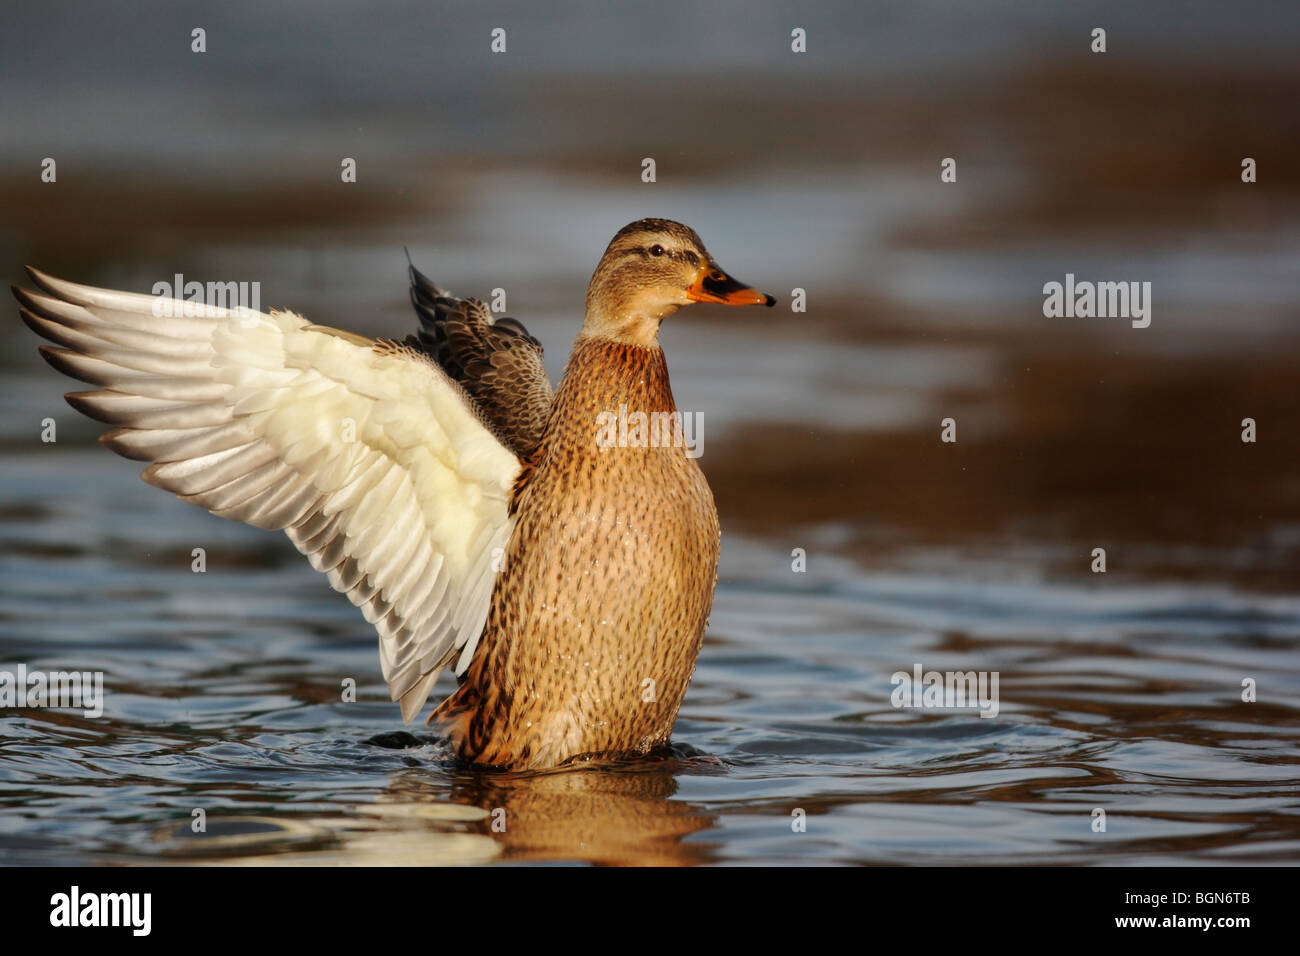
column 716, row 286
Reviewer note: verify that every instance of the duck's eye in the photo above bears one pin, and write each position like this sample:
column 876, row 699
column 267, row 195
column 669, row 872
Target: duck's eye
column 656, row 250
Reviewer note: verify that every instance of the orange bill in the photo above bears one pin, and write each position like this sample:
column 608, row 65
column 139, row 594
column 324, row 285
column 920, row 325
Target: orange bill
column 714, row 285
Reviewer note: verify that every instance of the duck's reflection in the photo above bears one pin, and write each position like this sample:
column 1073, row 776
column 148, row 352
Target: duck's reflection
column 618, row 816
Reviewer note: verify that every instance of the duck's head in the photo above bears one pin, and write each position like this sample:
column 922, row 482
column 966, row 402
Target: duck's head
column 651, row 269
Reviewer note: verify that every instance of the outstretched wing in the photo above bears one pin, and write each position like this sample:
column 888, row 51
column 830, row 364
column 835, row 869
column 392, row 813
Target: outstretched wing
column 377, row 466
column 497, row 362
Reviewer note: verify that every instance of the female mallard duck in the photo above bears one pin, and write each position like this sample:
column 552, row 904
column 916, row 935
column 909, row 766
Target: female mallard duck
column 474, row 518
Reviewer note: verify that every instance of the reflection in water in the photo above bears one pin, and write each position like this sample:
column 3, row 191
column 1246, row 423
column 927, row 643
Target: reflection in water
column 614, row 816
column 620, row 815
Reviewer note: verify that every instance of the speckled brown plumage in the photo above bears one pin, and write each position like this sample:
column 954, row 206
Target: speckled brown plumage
column 599, row 611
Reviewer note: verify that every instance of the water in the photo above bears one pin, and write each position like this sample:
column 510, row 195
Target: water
column 224, row 696
column 1119, row 692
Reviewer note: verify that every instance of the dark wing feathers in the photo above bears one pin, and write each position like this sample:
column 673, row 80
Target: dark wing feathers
column 497, row 362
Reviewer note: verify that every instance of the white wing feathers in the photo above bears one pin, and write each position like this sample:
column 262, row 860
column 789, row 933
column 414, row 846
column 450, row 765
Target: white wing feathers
column 370, row 458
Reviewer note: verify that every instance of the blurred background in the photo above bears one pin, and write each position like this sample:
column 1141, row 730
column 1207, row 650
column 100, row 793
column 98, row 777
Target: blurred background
column 818, row 171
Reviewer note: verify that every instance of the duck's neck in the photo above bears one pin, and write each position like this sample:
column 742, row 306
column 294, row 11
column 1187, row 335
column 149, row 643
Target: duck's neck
column 605, row 377
column 628, row 318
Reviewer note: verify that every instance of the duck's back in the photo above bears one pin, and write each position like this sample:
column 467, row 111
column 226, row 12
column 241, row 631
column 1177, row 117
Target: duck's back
column 604, row 591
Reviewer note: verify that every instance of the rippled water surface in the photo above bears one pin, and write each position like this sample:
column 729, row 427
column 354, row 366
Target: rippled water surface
column 1119, row 692
column 223, row 694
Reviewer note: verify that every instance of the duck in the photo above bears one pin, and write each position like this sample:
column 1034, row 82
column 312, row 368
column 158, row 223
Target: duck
column 479, row 519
